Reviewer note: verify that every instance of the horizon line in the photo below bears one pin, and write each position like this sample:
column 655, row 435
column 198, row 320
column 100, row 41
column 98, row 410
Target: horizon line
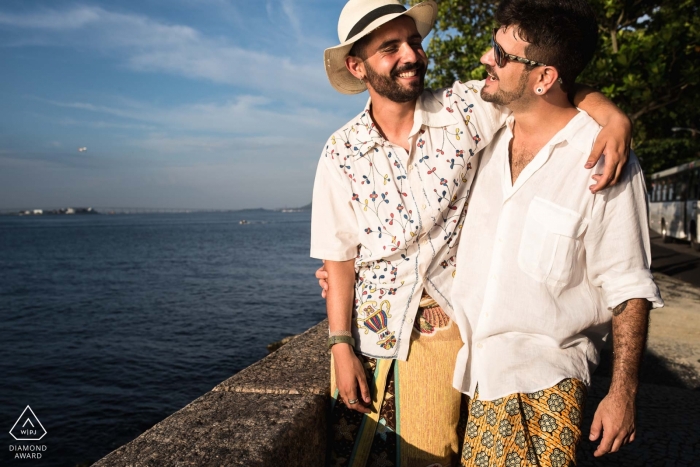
column 102, row 209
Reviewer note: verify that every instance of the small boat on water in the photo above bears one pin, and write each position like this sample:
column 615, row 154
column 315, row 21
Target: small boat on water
column 243, row 222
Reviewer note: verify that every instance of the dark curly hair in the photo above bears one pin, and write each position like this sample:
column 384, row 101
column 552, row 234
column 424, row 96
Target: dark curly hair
column 561, row 33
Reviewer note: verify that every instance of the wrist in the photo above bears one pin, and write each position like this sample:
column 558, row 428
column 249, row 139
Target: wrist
column 342, row 350
column 619, row 119
column 624, row 390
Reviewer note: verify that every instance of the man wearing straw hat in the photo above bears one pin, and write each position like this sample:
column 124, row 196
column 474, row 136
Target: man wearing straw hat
column 389, row 200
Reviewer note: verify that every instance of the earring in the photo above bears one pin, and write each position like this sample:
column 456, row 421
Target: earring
column 539, row 90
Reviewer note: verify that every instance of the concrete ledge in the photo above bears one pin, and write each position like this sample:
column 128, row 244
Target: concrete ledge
column 273, row 413
column 300, row 367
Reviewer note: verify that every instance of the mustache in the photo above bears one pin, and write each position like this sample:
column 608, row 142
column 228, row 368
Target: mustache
column 490, row 69
column 418, row 66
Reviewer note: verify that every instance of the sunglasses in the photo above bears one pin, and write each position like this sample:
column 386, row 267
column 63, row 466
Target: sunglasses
column 502, row 57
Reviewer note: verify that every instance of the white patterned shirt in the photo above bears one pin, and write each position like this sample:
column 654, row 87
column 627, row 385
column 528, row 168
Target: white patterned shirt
column 542, row 263
column 399, row 214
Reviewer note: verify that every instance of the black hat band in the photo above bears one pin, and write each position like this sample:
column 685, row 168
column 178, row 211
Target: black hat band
column 373, row 15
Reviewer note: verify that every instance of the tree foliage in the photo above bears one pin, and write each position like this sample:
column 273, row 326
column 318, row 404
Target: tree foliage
column 648, row 63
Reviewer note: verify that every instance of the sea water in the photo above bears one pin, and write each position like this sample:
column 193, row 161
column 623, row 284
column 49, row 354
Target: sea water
column 108, row 324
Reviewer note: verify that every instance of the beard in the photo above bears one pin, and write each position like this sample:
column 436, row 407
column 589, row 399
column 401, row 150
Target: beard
column 502, row 97
column 389, row 87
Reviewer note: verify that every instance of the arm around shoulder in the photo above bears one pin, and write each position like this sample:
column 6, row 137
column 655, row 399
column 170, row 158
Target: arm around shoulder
column 613, row 140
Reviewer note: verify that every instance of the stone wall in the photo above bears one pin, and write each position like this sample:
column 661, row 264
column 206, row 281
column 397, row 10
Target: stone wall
column 273, row 413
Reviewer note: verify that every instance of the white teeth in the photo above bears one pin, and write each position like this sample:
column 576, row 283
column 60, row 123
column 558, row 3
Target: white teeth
column 408, row 74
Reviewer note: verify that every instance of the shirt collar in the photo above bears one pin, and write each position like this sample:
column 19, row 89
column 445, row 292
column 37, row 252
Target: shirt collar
column 429, row 112
column 566, row 134
column 368, row 135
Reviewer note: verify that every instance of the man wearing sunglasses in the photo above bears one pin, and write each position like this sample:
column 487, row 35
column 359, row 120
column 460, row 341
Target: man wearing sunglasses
column 547, row 270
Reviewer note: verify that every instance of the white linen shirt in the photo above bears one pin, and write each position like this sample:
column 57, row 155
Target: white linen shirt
column 399, row 214
column 543, row 262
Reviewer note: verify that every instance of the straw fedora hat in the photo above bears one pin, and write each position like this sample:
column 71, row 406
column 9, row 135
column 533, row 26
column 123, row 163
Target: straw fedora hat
column 358, row 19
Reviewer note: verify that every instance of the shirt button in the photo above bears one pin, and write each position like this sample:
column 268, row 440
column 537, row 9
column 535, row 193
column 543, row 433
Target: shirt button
column 479, row 345
column 423, row 206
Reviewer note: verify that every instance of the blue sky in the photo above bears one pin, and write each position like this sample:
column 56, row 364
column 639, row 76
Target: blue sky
column 180, row 103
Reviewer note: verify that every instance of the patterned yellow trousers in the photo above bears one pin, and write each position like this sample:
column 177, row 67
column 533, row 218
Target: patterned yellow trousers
column 416, row 413
column 541, row 429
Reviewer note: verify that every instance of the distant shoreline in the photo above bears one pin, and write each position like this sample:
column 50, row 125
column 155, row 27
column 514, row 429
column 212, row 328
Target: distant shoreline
column 123, row 211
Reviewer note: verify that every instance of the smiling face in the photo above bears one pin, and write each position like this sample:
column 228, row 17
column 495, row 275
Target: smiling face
column 508, row 85
column 394, row 62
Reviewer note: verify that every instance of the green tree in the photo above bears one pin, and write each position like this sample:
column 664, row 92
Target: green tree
column 648, row 63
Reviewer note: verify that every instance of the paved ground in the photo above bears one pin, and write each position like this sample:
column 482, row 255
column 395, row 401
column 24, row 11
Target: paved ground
column 669, row 397
column 668, row 429
column 675, row 259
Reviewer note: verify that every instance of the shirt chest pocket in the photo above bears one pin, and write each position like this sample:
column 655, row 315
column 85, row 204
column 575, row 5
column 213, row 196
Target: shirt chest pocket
column 550, row 242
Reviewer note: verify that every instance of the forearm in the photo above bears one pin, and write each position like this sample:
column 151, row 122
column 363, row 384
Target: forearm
column 600, row 108
column 340, row 296
column 629, row 332
column 615, row 415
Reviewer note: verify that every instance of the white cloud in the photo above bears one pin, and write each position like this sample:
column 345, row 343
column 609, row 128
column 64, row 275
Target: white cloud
column 147, row 45
column 289, row 10
column 52, row 20
column 225, row 9
column 251, row 116
column 101, row 124
column 204, row 150
column 269, row 124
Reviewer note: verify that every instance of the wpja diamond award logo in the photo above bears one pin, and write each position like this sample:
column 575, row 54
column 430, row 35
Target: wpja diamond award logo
column 28, row 428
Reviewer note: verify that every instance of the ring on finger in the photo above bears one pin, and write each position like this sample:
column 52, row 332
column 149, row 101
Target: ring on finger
column 352, row 401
